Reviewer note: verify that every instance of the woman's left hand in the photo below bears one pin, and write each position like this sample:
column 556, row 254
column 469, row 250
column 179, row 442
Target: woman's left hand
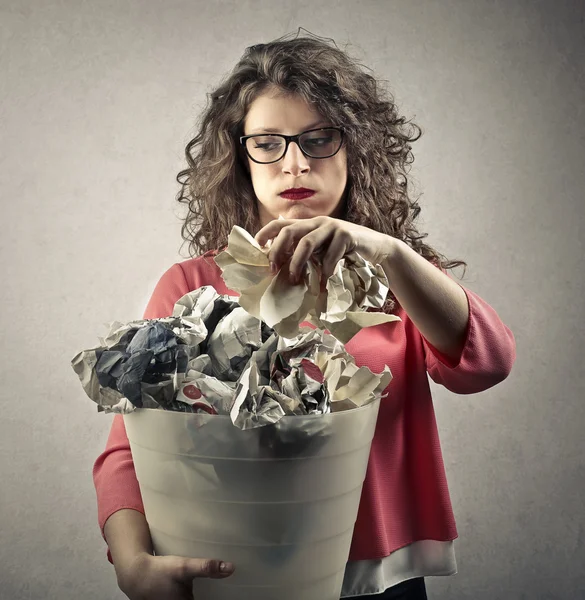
column 332, row 239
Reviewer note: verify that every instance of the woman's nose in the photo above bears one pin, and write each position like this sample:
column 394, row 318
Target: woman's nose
column 294, row 161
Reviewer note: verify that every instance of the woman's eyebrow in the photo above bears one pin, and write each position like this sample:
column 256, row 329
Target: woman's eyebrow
column 276, row 130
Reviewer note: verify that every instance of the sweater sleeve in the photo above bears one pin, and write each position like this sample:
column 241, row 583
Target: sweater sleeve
column 114, row 476
column 487, row 356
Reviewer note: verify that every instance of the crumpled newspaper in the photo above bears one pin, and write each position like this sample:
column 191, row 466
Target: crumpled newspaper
column 142, row 364
column 355, row 286
column 212, row 356
column 310, row 374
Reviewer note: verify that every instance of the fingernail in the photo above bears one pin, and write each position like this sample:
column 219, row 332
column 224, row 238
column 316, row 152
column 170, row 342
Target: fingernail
column 273, row 268
column 225, row 567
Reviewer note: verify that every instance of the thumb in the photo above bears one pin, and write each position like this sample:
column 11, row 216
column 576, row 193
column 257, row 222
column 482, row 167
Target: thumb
column 189, row 568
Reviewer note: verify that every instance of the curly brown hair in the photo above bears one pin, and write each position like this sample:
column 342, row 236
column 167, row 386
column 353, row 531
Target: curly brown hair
column 216, row 186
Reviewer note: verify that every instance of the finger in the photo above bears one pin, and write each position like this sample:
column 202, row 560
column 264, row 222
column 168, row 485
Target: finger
column 283, row 245
column 271, row 230
column 308, row 245
column 189, row 568
column 340, row 244
column 281, row 248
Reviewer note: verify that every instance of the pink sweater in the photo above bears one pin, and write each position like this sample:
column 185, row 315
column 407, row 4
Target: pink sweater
column 405, row 496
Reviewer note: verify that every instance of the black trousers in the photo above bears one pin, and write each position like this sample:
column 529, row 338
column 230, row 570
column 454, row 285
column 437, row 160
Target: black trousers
column 411, row 589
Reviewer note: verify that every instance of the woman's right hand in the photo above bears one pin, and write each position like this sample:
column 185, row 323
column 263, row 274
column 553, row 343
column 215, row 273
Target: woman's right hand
column 150, row 577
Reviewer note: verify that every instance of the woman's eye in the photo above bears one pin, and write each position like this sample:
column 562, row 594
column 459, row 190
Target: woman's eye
column 319, row 141
column 267, row 147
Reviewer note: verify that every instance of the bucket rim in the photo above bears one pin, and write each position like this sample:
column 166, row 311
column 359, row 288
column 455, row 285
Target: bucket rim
column 285, row 418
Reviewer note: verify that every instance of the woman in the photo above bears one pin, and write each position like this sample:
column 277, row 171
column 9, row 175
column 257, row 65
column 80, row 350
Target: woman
column 298, row 130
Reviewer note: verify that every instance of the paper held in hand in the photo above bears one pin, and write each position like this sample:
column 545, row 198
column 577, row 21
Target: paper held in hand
column 355, row 286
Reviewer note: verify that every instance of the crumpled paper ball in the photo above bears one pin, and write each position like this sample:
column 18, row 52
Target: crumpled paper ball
column 355, row 286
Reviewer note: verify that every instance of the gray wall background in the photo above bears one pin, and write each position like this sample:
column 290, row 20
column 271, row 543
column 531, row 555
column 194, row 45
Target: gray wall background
column 98, row 100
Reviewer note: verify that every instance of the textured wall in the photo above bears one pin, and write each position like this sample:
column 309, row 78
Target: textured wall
column 97, row 102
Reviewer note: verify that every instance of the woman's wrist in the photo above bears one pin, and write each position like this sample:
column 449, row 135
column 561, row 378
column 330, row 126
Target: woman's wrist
column 129, row 568
column 391, row 252
column 128, row 537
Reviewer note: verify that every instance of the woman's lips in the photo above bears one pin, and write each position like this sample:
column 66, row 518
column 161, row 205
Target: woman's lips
column 297, row 195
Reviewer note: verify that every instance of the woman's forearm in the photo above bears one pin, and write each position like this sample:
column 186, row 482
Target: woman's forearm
column 127, row 534
column 435, row 303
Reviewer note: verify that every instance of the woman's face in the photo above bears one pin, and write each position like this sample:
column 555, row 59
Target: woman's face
column 275, row 113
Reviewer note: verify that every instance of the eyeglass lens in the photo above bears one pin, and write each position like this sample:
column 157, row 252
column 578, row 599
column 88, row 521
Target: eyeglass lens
column 317, row 144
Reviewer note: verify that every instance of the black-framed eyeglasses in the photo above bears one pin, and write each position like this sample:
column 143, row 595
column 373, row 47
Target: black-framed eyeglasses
column 266, row 148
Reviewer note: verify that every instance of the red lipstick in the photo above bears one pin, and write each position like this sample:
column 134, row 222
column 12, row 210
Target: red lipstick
column 297, row 193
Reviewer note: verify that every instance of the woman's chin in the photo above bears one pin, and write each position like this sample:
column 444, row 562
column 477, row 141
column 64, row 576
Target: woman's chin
column 300, row 211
